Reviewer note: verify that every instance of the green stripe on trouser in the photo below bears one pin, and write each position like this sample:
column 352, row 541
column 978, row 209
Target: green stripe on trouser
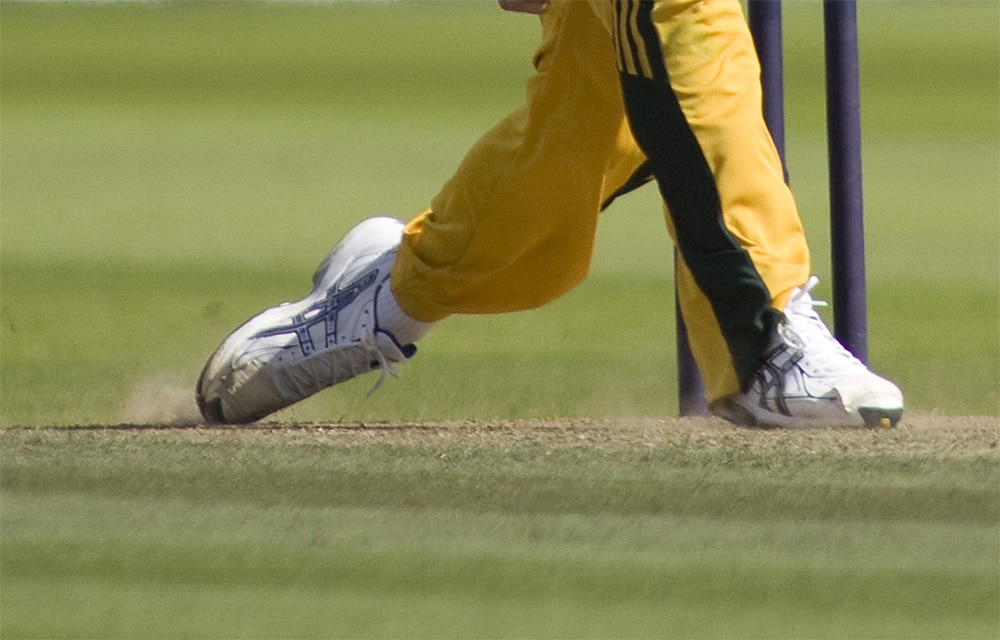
column 721, row 267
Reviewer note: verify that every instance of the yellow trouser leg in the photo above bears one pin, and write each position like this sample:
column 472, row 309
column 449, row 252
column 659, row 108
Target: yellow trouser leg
column 514, row 227
column 690, row 80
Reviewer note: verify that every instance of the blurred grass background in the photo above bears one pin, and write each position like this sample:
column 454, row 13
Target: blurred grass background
column 169, row 169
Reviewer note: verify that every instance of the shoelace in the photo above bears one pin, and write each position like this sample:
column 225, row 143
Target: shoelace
column 824, row 352
column 369, row 341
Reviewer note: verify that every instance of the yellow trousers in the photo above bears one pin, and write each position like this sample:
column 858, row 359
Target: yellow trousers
column 624, row 91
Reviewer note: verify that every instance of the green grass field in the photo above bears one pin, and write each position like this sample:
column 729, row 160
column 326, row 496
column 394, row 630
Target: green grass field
column 169, row 169
column 634, row 528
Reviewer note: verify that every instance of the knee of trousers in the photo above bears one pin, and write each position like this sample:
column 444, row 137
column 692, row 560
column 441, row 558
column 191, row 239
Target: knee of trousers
column 439, row 271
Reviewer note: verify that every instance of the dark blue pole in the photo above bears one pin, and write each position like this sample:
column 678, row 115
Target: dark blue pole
column 764, row 17
column 843, row 113
column 690, row 389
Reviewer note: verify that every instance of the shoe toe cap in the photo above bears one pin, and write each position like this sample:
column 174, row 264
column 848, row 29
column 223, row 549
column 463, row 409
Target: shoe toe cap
column 865, row 389
column 212, row 410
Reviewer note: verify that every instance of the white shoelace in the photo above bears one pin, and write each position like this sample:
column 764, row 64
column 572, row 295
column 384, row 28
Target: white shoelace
column 824, row 352
column 385, row 366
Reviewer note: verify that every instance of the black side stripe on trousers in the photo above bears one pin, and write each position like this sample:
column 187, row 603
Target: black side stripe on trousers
column 721, row 267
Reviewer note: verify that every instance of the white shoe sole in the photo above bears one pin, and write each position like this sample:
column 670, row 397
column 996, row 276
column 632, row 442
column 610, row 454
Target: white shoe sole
column 874, row 403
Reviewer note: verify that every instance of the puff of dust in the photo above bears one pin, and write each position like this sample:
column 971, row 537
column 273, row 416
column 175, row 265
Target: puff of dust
column 162, row 398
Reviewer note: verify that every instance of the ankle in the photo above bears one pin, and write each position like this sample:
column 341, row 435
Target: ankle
column 392, row 318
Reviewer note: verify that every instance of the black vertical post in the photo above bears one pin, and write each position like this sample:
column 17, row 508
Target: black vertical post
column 764, row 17
column 690, row 389
column 843, row 107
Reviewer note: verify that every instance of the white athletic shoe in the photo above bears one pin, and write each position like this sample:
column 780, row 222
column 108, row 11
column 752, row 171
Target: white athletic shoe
column 809, row 380
column 289, row 352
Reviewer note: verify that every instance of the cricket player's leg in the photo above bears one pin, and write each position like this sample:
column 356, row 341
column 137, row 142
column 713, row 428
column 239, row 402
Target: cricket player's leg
column 513, row 229
column 291, row 351
column 690, row 84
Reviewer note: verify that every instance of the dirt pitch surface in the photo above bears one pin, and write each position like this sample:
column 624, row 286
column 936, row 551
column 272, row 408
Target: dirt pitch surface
column 934, row 436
